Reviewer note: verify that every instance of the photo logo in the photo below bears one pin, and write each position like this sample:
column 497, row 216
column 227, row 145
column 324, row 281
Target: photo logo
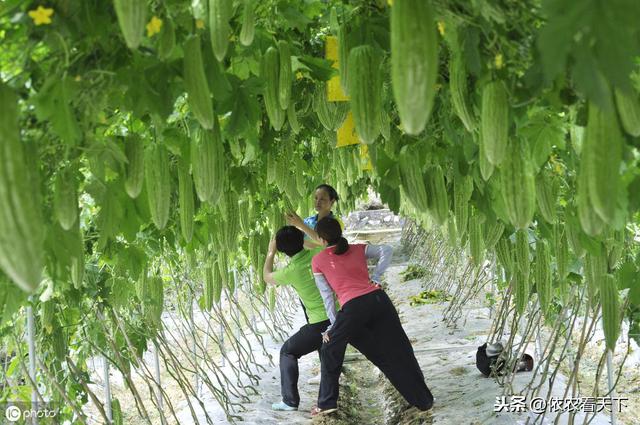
column 13, row 413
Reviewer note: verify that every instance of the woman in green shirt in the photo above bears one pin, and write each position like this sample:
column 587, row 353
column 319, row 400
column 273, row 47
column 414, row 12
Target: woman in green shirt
column 297, row 273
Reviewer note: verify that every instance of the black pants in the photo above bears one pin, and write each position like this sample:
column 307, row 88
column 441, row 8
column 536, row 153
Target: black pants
column 371, row 324
column 305, row 341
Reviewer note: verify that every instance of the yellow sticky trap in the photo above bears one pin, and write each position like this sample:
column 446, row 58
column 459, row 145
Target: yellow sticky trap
column 365, row 159
column 347, row 133
column 334, row 89
column 331, row 49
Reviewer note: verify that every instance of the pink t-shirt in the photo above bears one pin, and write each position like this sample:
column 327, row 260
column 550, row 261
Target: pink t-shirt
column 347, row 274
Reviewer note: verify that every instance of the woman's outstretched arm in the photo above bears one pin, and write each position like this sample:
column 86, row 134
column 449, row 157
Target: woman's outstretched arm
column 383, row 253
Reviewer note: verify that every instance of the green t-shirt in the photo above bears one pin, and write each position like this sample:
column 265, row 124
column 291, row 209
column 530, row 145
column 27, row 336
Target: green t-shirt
column 298, row 274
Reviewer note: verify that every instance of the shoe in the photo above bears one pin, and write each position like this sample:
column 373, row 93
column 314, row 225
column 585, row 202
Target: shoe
column 314, row 380
column 316, row 411
column 525, row 364
column 283, row 407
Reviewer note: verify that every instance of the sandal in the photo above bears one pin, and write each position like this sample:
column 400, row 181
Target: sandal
column 316, row 411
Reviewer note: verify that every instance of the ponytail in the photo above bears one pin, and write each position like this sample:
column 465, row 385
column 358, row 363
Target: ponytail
column 329, row 229
column 341, row 247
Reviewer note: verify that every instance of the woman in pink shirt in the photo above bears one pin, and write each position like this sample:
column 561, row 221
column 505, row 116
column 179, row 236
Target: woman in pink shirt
column 367, row 320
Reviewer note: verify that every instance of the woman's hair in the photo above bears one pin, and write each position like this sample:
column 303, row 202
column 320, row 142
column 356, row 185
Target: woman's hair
column 290, row 240
column 333, row 195
column 329, row 229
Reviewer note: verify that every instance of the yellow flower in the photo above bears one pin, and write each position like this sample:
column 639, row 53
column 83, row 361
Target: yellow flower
column 154, row 26
column 441, row 28
column 299, row 75
column 199, row 24
column 390, row 2
column 41, row 16
column 78, row 78
column 499, row 62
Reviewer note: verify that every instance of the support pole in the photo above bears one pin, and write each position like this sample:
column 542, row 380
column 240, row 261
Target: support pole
column 250, row 291
column 222, row 342
column 612, row 391
column 193, row 339
column 107, row 389
column 235, row 299
column 539, row 339
column 31, row 339
column 156, row 363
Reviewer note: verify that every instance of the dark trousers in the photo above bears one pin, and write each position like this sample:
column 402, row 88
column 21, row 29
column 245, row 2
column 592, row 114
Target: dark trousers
column 305, row 341
column 371, row 324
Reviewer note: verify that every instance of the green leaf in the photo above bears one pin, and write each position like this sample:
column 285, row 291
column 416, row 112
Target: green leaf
column 8, row 6
column 319, row 69
column 543, row 130
column 11, row 299
column 634, row 294
column 626, row 275
column 616, row 30
column 589, row 79
column 293, row 17
column 555, row 38
column 245, row 109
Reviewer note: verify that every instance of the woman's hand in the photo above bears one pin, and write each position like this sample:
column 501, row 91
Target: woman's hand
column 325, row 336
column 293, row 219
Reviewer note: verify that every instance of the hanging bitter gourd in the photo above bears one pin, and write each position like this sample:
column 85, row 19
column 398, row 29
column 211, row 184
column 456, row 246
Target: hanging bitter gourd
column 196, row 84
column 628, row 105
column 65, row 197
column 220, row 12
column 547, row 196
column 494, row 121
column 486, row 167
column 590, row 221
column 476, row 241
column 247, row 32
column 158, row 183
column 330, row 114
column 413, row 182
column 414, row 62
column 600, row 159
column 285, row 77
column 459, row 92
column 543, row 275
column 270, row 71
column 186, row 201
column 437, row 194
column 462, row 190
column 522, row 260
column 610, row 310
column 521, row 288
column 134, row 169
column 492, row 233
column 209, row 164
column 365, row 91
column 518, row 184
column 504, row 252
column 167, row 40
column 132, row 17
column 21, row 224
